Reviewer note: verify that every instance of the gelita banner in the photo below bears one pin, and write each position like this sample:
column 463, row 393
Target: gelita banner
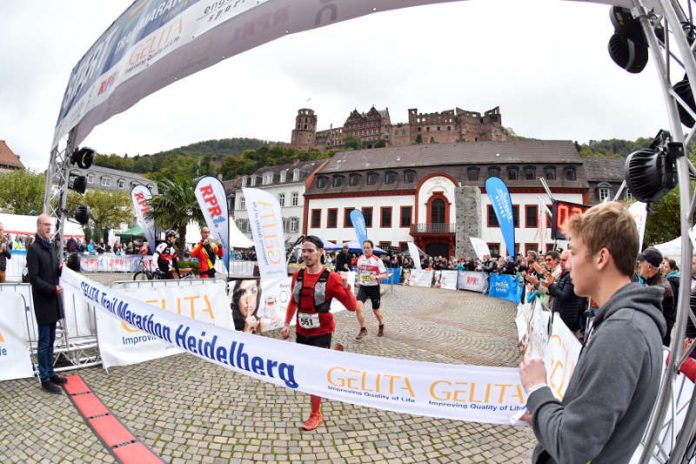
column 502, row 205
column 471, row 393
column 358, row 220
column 212, row 200
column 141, row 196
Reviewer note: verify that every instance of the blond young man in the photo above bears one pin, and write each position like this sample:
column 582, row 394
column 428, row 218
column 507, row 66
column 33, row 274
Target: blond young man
column 612, row 390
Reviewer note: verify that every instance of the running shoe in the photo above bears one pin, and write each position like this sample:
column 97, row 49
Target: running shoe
column 362, row 334
column 313, row 422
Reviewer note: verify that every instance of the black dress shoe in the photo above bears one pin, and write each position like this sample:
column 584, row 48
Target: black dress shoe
column 50, row 388
column 58, row 379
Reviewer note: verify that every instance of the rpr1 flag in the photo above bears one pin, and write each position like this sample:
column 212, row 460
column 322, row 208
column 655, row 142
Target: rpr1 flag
column 502, row 205
column 358, row 220
column 212, row 200
column 141, row 196
column 266, row 225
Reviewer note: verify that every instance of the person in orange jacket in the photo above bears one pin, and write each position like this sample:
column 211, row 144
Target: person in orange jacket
column 206, row 251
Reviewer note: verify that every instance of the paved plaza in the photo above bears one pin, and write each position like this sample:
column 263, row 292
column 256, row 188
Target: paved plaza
column 187, row 410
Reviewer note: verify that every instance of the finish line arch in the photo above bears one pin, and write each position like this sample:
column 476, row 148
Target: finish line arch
column 152, row 45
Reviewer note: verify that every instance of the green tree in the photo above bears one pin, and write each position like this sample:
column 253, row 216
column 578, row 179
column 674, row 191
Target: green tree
column 108, row 210
column 21, row 192
column 175, row 206
column 352, row 142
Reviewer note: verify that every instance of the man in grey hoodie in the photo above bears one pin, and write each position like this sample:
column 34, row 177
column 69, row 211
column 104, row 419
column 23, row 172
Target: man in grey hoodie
column 608, row 402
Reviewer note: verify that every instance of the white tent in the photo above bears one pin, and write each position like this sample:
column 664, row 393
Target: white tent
column 237, row 238
column 26, row 225
column 672, row 249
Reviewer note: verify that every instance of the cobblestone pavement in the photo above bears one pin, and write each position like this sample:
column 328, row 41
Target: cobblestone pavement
column 187, row 410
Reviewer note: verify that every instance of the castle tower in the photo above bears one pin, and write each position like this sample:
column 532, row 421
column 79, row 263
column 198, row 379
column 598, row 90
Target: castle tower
column 305, row 131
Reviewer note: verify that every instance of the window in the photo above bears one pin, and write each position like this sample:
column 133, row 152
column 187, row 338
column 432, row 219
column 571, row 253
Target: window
column 472, row 173
column 121, row 183
column 604, row 194
column 267, row 178
column 242, row 203
column 494, row 247
column 406, row 212
column 494, row 171
column 281, row 199
column 295, row 198
column 316, row 218
column 516, row 215
column 294, row 224
column 531, row 216
column 529, row 173
column 332, row 218
column 372, row 178
column 106, row 181
column 437, row 211
column 550, row 172
column 295, row 175
column 346, row 217
column 337, row 180
column 354, row 179
column 569, row 173
column 283, row 175
column 367, row 214
column 513, row 172
column 409, row 176
column 389, row 177
column 322, row 181
column 386, row 216
column 492, row 218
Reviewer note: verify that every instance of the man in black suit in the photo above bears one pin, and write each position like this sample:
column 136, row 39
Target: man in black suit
column 44, row 272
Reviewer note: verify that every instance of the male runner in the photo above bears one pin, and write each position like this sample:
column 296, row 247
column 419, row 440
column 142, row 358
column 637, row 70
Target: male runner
column 370, row 271
column 313, row 289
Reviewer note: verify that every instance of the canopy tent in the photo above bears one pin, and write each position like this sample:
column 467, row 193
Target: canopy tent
column 132, row 233
column 354, row 247
column 26, row 225
column 237, row 238
column 672, row 249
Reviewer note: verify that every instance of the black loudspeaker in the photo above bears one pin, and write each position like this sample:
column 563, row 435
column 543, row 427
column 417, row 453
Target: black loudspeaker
column 628, row 53
column 683, row 89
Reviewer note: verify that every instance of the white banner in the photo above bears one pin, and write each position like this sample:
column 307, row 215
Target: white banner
column 141, row 196
column 276, row 294
column 266, row 224
column 15, row 357
column 480, row 247
column 212, row 200
column 471, row 393
column 639, row 212
column 122, row 344
column 445, row 279
column 415, row 256
column 561, row 357
column 473, row 281
column 420, row 278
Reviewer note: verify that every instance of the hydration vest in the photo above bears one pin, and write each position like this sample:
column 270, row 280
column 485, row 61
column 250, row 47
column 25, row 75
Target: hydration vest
column 321, row 305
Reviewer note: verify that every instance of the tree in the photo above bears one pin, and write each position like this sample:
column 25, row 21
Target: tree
column 175, row 206
column 108, row 210
column 352, row 142
column 21, row 192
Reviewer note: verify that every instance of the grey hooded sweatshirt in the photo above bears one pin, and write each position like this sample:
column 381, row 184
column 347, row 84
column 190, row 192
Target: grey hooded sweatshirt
column 607, row 405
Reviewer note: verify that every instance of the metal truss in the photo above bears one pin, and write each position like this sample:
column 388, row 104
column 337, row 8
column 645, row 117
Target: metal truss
column 665, row 441
column 56, row 199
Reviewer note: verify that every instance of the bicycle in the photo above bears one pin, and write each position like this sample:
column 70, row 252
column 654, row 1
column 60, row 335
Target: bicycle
column 146, row 273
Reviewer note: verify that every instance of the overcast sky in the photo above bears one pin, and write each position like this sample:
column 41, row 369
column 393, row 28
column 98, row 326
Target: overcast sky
column 544, row 62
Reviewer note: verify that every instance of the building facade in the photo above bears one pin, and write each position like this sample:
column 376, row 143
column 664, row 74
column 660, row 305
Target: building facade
column 375, row 129
column 287, row 183
column 113, row 180
column 414, row 193
column 9, row 161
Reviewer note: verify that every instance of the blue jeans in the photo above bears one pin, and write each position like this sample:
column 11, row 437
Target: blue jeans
column 47, row 338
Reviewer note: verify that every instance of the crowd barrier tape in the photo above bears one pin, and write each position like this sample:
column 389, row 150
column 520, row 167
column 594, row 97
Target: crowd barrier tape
column 15, row 351
column 505, row 286
column 122, row 344
column 470, row 393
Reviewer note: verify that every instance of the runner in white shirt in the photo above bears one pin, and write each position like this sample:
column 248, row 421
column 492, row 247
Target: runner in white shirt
column 370, row 271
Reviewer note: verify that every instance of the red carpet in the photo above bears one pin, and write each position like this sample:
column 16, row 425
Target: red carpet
column 116, row 437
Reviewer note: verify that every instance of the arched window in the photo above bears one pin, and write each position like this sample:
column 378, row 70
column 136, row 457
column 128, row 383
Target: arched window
column 529, row 173
column 569, row 173
column 472, row 173
column 389, row 177
column 372, row 178
column 550, row 172
column 337, row 180
column 409, row 176
column 494, row 171
column 513, row 172
column 354, row 179
column 322, row 181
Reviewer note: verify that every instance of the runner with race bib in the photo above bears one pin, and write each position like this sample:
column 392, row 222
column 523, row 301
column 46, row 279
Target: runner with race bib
column 370, row 271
